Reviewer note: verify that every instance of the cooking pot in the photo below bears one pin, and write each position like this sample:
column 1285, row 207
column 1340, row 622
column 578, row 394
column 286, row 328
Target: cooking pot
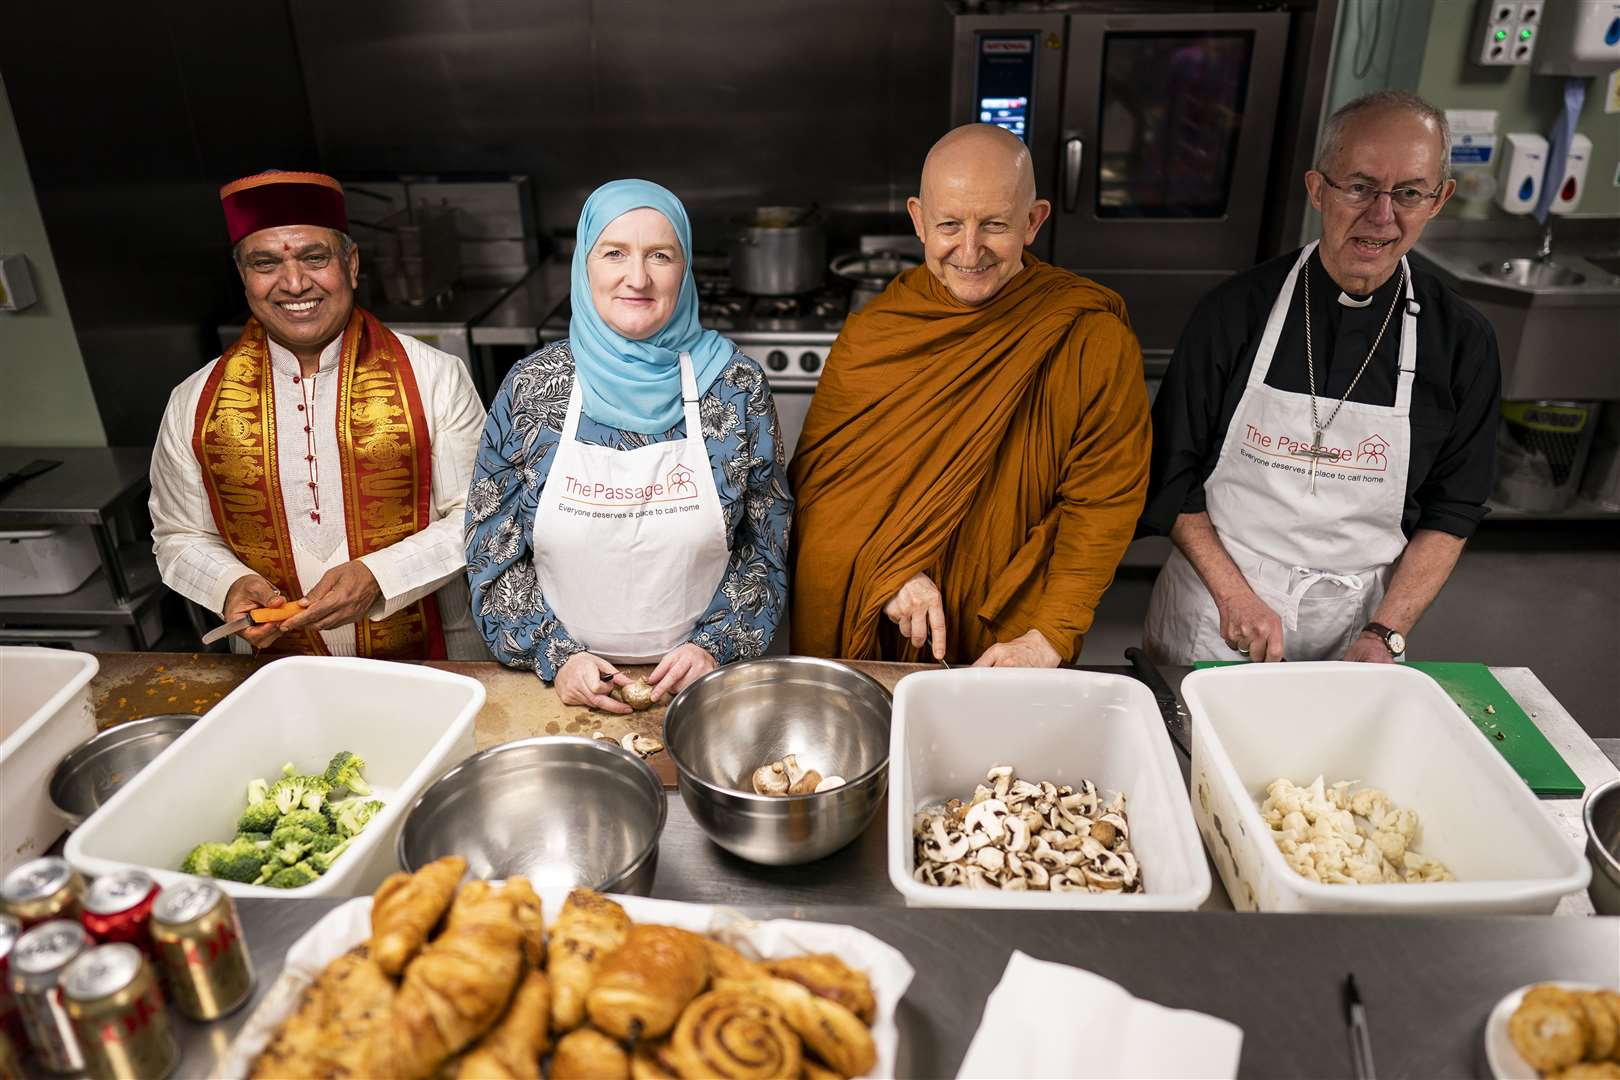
column 779, row 251
column 869, row 273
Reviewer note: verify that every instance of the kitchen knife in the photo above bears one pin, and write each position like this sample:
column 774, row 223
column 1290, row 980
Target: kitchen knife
column 253, row 618
column 1175, row 717
column 27, row 472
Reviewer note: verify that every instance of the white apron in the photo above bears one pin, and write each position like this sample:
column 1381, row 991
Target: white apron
column 1321, row 561
column 630, row 545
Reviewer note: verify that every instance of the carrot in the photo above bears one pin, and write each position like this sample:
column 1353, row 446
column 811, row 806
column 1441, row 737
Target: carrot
column 277, row 614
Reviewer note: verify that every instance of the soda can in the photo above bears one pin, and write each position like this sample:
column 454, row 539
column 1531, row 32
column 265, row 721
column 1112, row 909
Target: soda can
column 113, row 1000
column 118, row 908
column 200, row 949
column 36, row 968
column 41, row 889
column 10, row 1019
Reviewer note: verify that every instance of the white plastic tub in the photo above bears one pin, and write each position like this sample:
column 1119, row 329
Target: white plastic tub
column 1388, row 727
column 1058, row 725
column 411, row 724
column 46, row 562
column 44, row 713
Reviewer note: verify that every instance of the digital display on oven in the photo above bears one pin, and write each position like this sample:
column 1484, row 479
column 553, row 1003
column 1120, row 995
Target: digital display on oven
column 1006, row 81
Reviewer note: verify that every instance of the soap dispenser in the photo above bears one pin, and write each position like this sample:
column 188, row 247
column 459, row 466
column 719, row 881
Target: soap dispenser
column 1524, row 163
column 1573, row 186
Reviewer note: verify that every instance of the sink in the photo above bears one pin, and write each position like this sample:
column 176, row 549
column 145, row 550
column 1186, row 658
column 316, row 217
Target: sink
column 1531, row 273
column 1611, row 263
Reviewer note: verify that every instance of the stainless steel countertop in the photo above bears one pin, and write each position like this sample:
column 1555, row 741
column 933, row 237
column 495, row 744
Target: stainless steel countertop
column 516, row 319
column 1459, row 261
column 1428, row 983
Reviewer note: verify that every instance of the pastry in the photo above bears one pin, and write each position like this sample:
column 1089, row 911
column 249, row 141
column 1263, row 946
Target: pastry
column 527, row 903
column 588, row 927
column 406, row 907
column 587, row 1054
column 653, row 1061
column 1612, row 1001
column 340, row 1027
column 460, row 984
column 736, row 1036
column 726, row 962
column 1600, row 1043
column 814, row 1070
column 642, row 986
column 826, row 976
column 829, row 1030
column 513, row 1048
column 1547, row 1036
column 1590, row 1070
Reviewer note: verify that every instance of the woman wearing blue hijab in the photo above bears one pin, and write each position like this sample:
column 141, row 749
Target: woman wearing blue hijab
column 629, row 502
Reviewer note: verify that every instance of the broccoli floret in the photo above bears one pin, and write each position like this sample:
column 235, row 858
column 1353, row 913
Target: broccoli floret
column 354, row 814
column 344, row 771
column 293, row 792
column 257, row 790
column 293, row 876
column 269, row 870
column 326, row 842
column 201, row 858
column 289, row 770
column 260, row 816
column 261, row 839
column 240, row 860
column 312, row 820
column 323, row 860
column 290, row 843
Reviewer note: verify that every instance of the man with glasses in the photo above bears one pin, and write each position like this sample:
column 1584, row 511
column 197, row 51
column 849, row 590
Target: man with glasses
column 1324, row 441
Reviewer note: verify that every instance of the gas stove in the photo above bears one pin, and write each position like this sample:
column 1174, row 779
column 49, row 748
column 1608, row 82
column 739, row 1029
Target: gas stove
column 790, row 336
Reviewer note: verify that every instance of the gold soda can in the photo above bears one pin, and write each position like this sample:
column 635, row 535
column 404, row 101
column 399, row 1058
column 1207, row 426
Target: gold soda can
column 42, row 889
column 113, row 1000
column 199, row 943
column 37, row 963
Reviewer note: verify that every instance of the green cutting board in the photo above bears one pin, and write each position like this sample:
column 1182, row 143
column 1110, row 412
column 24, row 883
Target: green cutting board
column 1500, row 719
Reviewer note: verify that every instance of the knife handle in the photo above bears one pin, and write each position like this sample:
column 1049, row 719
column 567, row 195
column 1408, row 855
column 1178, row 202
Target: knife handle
column 276, row 614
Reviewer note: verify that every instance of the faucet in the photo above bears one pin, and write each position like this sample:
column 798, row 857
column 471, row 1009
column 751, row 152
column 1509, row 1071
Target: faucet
column 1544, row 252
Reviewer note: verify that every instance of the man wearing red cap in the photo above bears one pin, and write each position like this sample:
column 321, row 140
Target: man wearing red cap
column 322, row 458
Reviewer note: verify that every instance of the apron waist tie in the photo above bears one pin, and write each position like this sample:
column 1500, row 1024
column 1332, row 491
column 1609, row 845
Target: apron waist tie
column 1306, row 577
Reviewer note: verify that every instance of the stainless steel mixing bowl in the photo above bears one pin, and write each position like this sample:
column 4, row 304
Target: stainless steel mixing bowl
column 560, row 810
column 1602, row 817
column 93, row 772
column 737, row 718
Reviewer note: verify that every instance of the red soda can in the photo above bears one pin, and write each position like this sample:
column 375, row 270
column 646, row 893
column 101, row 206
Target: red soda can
column 41, row 889
column 118, row 908
column 10, row 1018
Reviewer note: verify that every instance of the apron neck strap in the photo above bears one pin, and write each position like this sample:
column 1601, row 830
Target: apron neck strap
column 1407, row 372
column 689, row 399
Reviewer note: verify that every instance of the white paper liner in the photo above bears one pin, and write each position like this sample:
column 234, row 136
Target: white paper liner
column 1051, row 1020
column 349, row 925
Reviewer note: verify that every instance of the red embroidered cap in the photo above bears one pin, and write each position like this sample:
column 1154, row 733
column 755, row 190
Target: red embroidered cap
column 269, row 200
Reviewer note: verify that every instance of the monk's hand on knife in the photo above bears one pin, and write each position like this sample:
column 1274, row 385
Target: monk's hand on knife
column 246, row 593
column 585, row 679
column 1250, row 628
column 342, row 596
column 682, row 666
column 919, row 611
column 1028, row 650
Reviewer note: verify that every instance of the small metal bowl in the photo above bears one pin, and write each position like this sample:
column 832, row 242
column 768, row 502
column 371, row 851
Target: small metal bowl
column 94, row 771
column 737, row 718
column 560, row 810
column 1601, row 815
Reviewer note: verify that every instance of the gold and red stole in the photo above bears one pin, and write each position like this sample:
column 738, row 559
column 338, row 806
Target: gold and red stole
column 385, row 466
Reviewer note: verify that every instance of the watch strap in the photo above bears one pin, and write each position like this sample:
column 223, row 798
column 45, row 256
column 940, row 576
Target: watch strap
column 1384, row 634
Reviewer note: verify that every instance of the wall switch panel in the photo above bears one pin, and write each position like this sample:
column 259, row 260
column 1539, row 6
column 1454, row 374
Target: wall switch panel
column 1507, row 32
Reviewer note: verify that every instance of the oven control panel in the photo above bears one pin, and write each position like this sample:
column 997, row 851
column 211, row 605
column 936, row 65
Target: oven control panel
column 786, row 362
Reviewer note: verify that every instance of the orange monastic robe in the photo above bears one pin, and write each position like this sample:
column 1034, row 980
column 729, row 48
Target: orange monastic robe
column 1000, row 449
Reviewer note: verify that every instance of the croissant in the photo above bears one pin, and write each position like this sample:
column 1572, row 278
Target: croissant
column 336, row 1031
column 832, row 1032
column 653, row 1061
column 528, row 909
column 737, row 1036
column 826, row 976
column 587, row 1054
column 513, row 1048
column 457, row 988
column 642, row 986
column 406, row 907
column 726, row 962
column 588, row 927
column 814, row 1070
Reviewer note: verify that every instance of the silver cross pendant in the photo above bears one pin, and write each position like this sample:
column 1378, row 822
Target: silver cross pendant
column 1316, row 453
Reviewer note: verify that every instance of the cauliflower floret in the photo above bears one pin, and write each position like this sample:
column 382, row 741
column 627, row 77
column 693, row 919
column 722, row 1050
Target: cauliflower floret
column 1316, row 828
column 1369, row 801
column 1392, row 844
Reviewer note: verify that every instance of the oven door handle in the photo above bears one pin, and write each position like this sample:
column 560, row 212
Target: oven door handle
column 1073, row 154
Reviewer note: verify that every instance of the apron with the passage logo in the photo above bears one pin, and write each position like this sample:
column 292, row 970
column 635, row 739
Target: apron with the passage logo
column 630, row 545
column 1320, row 560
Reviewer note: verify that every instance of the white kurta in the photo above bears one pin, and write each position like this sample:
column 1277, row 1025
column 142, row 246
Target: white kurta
column 195, row 561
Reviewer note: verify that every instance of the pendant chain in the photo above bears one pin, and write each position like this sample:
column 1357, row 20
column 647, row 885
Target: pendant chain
column 1310, row 361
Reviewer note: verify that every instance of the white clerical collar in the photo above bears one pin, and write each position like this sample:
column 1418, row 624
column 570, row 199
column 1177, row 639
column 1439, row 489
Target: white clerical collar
column 282, row 360
column 1349, row 301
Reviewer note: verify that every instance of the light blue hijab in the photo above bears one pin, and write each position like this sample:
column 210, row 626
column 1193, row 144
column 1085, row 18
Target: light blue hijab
column 636, row 385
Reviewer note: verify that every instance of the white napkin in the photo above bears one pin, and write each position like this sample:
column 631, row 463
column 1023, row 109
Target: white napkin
column 1045, row 1019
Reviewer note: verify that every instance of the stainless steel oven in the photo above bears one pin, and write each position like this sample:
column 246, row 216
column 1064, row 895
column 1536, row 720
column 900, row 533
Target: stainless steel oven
column 1152, row 132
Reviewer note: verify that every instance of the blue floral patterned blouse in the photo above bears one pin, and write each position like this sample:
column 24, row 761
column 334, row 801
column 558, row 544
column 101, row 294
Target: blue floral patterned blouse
column 514, row 458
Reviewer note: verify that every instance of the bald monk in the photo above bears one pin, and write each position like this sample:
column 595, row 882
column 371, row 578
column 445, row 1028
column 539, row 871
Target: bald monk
column 976, row 455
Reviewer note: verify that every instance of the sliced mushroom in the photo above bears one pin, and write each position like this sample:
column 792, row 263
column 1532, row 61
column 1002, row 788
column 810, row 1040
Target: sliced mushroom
column 641, row 745
column 771, row 779
column 830, row 782
column 805, row 784
column 1000, row 778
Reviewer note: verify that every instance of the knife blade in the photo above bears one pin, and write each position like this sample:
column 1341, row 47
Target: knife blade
column 1170, row 707
column 252, row 618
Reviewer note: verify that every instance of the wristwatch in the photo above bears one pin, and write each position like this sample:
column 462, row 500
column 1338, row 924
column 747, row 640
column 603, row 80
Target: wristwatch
column 1393, row 640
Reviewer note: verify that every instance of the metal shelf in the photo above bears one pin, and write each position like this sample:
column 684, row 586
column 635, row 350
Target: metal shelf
column 93, row 603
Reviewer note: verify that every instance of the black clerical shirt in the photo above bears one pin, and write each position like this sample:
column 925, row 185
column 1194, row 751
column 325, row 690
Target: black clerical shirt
column 1455, row 395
